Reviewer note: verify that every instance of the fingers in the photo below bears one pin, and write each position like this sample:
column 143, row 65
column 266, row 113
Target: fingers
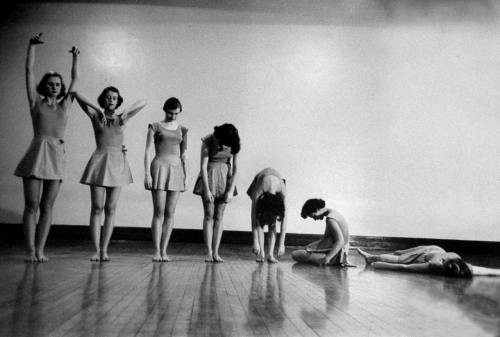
column 74, row 50
column 36, row 39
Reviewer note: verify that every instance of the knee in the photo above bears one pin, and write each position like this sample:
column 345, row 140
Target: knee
column 31, row 206
column 97, row 209
column 300, row 255
column 218, row 217
column 110, row 210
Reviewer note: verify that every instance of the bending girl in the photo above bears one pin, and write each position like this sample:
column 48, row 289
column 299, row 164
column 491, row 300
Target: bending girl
column 216, row 183
column 43, row 167
column 108, row 169
column 333, row 247
column 167, row 174
column 268, row 194
column 427, row 259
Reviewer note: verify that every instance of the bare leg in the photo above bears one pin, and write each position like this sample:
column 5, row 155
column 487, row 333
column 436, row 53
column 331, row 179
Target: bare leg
column 260, row 235
column 49, row 194
column 271, row 239
column 255, row 231
column 303, row 256
column 208, row 231
column 369, row 258
column 218, row 229
column 112, row 196
column 168, row 222
column 97, row 194
column 32, row 188
column 159, row 198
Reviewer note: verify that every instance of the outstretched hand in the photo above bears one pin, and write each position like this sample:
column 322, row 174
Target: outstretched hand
column 74, row 50
column 36, row 39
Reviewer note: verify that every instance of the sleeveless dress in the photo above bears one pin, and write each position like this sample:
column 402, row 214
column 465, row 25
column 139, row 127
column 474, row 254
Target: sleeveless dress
column 218, row 170
column 46, row 155
column 166, row 168
column 426, row 254
column 108, row 165
column 257, row 180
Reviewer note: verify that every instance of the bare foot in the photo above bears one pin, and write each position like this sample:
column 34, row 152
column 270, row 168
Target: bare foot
column 217, row 258
column 31, row 257
column 260, row 257
column 256, row 248
column 105, row 257
column 165, row 258
column 271, row 259
column 95, row 257
column 368, row 257
column 41, row 257
column 209, row 258
column 157, row 257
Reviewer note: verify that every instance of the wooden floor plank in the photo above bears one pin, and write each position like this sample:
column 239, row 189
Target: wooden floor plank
column 132, row 296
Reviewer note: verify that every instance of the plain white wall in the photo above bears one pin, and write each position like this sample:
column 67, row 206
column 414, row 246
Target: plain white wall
column 387, row 110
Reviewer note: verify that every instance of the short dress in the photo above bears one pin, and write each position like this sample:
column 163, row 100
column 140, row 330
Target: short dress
column 46, row 155
column 426, row 254
column 219, row 169
column 166, row 169
column 108, row 165
column 257, row 180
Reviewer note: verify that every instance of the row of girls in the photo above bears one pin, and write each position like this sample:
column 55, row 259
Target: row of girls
column 43, row 167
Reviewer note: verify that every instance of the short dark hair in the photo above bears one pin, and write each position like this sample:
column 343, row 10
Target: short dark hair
column 311, row 206
column 40, row 88
column 456, row 267
column 101, row 97
column 172, row 104
column 228, row 135
column 269, row 205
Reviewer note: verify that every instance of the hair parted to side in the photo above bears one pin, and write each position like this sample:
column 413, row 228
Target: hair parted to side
column 268, row 207
column 311, row 206
column 457, row 267
column 172, row 104
column 227, row 134
column 40, row 88
column 102, row 96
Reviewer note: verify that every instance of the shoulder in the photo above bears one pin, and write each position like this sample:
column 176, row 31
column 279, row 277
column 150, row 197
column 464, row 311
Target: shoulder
column 184, row 130
column 208, row 139
column 153, row 126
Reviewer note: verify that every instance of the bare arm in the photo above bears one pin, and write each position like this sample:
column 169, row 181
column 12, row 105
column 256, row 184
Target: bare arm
column 281, row 247
column 184, row 160
column 133, row 110
column 207, row 195
column 30, row 75
column 483, row 271
column 334, row 228
column 234, row 179
column 148, row 180
column 75, row 71
column 87, row 105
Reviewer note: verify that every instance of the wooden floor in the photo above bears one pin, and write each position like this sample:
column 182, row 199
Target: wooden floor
column 132, row 296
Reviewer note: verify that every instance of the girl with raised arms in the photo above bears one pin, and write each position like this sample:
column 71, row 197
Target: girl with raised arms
column 167, row 174
column 108, row 169
column 43, row 167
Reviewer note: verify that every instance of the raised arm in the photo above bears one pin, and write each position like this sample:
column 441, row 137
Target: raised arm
column 133, row 110
column 30, row 75
column 333, row 228
column 234, row 178
column 87, row 105
column 148, row 180
column 75, row 70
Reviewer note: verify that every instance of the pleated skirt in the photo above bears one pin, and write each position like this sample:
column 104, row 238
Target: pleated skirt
column 218, row 174
column 167, row 173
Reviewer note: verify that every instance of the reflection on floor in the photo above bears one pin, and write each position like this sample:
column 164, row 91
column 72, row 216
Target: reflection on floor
column 132, row 296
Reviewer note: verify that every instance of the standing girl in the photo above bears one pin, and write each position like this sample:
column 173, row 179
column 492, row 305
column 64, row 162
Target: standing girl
column 167, row 174
column 43, row 167
column 108, row 169
column 216, row 183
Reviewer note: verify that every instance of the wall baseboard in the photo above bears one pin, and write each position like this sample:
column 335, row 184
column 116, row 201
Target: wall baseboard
column 13, row 232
